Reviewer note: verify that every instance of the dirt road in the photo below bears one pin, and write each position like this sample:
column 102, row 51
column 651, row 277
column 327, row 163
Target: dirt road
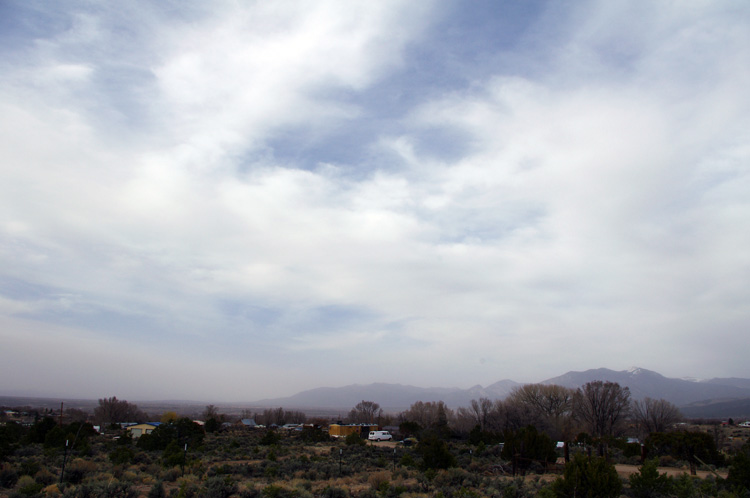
column 626, row 470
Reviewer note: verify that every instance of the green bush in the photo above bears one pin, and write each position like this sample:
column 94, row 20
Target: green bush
column 122, row 455
column 588, row 478
column 685, row 445
column 311, row 434
column 157, row 490
column 27, row 486
column 527, row 446
column 334, row 492
column 173, row 455
column 354, row 439
column 739, row 469
column 435, row 453
column 219, row 487
column 648, row 483
column 270, row 438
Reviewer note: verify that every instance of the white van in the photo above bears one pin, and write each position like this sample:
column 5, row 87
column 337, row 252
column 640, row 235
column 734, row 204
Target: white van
column 380, row 436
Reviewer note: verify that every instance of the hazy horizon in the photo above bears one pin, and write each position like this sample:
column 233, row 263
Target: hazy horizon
column 238, row 201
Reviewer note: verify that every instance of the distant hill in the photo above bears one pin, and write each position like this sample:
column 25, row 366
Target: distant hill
column 642, row 383
column 390, row 397
column 713, row 398
column 646, row 383
column 738, row 409
column 731, row 381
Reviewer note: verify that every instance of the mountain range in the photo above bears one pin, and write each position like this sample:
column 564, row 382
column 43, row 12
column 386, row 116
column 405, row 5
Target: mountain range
column 716, row 397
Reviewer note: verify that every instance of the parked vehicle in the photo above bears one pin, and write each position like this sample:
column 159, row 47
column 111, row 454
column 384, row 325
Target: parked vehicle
column 380, row 436
column 409, row 441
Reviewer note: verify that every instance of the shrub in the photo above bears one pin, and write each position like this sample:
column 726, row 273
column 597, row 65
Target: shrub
column 27, row 486
column 379, row 481
column 685, row 446
column 157, row 490
column 408, row 460
column 45, row 477
column 588, row 478
column 334, row 492
column 173, row 455
column 122, row 455
column 435, row 453
column 187, row 489
column 684, row 486
column 314, row 434
column 171, row 475
column 270, row 438
column 52, row 490
column 117, row 489
column 648, row 483
column 8, row 478
column 250, row 492
column 528, row 446
column 354, row 439
column 78, row 469
column 739, row 470
column 220, row 487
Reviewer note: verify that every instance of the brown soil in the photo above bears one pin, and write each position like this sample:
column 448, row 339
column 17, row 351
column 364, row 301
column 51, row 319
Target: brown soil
column 626, row 470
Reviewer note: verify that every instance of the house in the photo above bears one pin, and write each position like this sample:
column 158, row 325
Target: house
column 139, row 430
column 248, row 422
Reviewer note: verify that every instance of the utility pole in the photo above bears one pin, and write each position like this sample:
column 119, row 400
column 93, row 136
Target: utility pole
column 65, row 457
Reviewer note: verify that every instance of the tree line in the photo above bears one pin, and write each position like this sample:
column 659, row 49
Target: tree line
column 599, row 408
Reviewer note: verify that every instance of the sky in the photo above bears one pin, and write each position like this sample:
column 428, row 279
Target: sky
column 237, row 200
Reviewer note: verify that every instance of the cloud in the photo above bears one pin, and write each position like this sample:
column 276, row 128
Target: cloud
column 283, row 190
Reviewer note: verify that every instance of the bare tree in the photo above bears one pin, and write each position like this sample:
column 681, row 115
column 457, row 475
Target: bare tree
column 549, row 406
column 655, row 415
column 602, row 406
column 549, row 400
column 113, row 411
column 431, row 414
column 76, row 415
column 365, row 412
column 481, row 409
column 210, row 412
column 278, row 416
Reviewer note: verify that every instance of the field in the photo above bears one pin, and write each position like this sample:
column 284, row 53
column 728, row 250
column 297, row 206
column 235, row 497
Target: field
column 257, row 463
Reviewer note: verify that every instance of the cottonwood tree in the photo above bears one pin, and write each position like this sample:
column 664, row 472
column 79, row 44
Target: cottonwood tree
column 113, row 411
column 495, row 417
column 481, row 409
column 655, row 415
column 430, row 414
column 601, row 406
column 549, row 407
column 278, row 416
column 210, row 412
column 365, row 412
column 488, row 417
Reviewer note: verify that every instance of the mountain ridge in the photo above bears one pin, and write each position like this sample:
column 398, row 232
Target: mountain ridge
column 641, row 382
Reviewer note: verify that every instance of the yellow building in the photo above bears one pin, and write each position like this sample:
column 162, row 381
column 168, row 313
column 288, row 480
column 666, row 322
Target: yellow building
column 139, row 430
column 339, row 430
